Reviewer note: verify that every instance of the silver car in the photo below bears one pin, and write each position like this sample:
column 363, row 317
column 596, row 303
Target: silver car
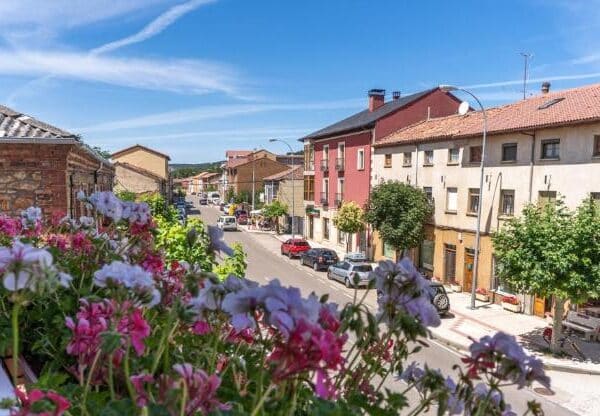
column 227, row 222
column 346, row 272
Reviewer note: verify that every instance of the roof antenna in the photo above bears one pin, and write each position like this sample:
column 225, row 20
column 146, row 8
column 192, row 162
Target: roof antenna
column 526, row 56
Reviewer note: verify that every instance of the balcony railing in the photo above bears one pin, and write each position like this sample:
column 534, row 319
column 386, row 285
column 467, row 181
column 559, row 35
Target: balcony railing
column 339, row 199
column 324, row 198
column 340, row 164
column 324, row 165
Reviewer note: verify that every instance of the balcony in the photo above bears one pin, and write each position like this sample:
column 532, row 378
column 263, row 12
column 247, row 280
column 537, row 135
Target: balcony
column 339, row 199
column 324, row 198
column 325, row 165
column 340, row 164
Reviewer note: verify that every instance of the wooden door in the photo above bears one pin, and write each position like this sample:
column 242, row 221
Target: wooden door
column 539, row 306
column 468, row 273
column 449, row 264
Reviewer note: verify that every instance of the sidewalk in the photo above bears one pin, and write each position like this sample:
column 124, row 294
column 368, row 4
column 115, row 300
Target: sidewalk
column 487, row 319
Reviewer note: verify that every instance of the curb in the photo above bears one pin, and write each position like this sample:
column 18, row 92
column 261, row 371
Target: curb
column 565, row 368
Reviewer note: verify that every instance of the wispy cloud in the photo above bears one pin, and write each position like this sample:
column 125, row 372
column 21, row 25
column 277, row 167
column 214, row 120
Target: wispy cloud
column 182, row 76
column 540, row 79
column 154, row 27
column 214, row 112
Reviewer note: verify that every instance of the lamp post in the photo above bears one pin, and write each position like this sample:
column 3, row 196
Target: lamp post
column 448, row 88
column 253, row 164
column 293, row 186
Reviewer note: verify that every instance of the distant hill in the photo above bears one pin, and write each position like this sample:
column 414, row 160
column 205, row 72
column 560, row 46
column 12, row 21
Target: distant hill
column 183, row 170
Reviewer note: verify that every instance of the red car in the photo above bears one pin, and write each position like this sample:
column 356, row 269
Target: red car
column 294, row 248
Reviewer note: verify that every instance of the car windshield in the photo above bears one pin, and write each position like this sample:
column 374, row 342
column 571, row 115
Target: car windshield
column 229, row 220
column 363, row 268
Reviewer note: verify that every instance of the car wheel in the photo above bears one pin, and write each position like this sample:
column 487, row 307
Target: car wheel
column 347, row 283
column 290, row 254
column 316, row 266
column 329, row 275
column 282, row 253
column 441, row 302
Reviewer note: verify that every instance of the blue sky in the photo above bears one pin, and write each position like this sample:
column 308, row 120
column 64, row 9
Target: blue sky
column 194, row 78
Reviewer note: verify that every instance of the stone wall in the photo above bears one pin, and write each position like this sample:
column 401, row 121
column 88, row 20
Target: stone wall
column 136, row 182
column 48, row 176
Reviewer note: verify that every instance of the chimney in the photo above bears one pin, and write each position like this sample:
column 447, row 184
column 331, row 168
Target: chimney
column 376, row 99
column 396, row 95
column 545, row 87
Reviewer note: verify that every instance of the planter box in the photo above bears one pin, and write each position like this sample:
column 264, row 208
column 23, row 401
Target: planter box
column 511, row 307
column 456, row 288
column 482, row 297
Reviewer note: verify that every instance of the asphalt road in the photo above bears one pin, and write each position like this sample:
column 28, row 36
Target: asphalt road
column 265, row 263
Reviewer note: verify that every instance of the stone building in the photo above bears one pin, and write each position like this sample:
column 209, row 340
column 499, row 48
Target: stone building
column 45, row 166
column 138, row 180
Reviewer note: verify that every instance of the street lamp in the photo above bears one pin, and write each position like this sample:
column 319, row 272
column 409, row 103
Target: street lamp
column 293, row 185
column 448, row 88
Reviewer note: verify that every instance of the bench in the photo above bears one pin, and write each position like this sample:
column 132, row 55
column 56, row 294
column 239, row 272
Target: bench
column 589, row 325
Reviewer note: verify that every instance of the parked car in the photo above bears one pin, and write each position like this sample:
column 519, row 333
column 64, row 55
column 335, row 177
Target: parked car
column 355, row 257
column 203, row 200
column 319, row 258
column 227, row 223
column 242, row 219
column 438, row 296
column 294, row 247
column 345, row 271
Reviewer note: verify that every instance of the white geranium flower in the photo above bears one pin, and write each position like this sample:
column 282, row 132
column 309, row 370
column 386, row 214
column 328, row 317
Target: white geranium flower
column 19, row 281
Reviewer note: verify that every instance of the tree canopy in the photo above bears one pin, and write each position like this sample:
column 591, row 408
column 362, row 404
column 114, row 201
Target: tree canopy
column 349, row 219
column 398, row 212
column 274, row 210
column 550, row 251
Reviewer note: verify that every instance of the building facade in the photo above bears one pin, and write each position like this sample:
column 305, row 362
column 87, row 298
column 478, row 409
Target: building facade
column 45, row 166
column 287, row 188
column 538, row 149
column 338, row 159
column 145, row 159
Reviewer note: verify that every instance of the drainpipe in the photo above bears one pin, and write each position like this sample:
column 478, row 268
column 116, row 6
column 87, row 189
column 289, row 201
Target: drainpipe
column 416, row 165
column 531, row 165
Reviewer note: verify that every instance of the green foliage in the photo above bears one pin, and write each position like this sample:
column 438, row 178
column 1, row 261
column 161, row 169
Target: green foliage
column 349, row 218
column 159, row 207
column 274, row 210
column 233, row 265
column 398, row 212
column 190, row 242
column 187, row 170
column 104, row 153
column 551, row 251
column 126, row 195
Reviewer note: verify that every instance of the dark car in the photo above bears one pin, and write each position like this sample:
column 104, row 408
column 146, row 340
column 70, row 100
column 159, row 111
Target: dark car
column 242, row 216
column 319, row 258
column 438, row 296
column 294, row 247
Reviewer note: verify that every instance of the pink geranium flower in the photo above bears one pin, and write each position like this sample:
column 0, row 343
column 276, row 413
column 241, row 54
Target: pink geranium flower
column 135, row 326
column 58, row 403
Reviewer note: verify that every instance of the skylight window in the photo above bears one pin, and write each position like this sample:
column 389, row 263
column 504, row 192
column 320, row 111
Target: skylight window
column 550, row 103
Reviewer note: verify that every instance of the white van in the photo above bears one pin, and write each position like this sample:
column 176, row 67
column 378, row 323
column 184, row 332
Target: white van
column 214, row 197
column 227, row 222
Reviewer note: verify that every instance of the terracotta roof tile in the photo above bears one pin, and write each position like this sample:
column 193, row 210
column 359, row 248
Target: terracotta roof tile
column 298, row 172
column 577, row 105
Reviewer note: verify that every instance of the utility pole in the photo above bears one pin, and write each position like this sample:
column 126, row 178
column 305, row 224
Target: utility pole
column 526, row 57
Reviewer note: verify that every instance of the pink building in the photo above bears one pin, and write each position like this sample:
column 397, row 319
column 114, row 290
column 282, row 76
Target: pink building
column 338, row 158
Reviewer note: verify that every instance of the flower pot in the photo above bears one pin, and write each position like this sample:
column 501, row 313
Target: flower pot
column 511, row 307
column 482, row 297
column 456, row 288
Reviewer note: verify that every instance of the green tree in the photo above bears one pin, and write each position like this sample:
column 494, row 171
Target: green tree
column 398, row 212
column 350, row 220
column 552, row 252
column 126, row 195
column 233, row 265
column 104, row 153
column 273, row 211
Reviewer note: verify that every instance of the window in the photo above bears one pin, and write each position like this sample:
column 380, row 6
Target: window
column 498, row 283
column 341, row 237
column 509, row 152
column 389, row 251
column 360, row 159
column 473, row 200
column 451, row 200
column 453, row 156
column 325, row 152
column 428, row 158
column 596, row 197
column 429, row 193
column 407, row 159
column 507, row 202
column 341, row 150
column 309, row 157
column 551, row 149
column 475, row 154
column 309, row 188
column 326, row 228
column 388, row 161
column 326, row 186
column 547, row 197
column 596, row 151
column 426, row 255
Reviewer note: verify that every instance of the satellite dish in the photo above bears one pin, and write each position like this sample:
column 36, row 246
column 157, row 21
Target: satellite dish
column 463, row 108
